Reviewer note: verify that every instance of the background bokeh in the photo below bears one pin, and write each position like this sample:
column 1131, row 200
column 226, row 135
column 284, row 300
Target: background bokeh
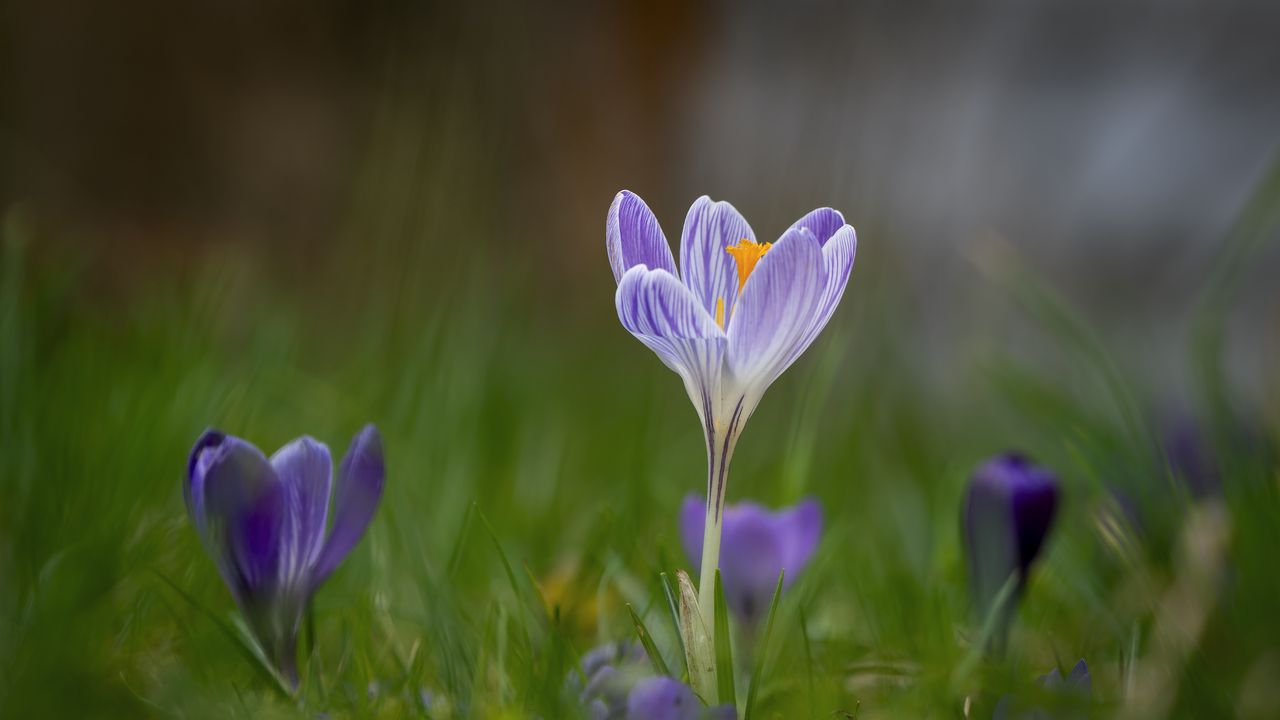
column 287, row 218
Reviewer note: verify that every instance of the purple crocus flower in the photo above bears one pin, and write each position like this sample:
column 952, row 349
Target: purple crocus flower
column 1008, row 512
column 663, row 698
column 758, row 545
column 610, row 671
column 1075, row 691
column 264, row 521
column 731, row 320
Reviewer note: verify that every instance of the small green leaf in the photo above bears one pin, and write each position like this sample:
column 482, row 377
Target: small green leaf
column 762, row 650
column 724, row 649
column 698, row 652
column 655, row 657
column 674, row 609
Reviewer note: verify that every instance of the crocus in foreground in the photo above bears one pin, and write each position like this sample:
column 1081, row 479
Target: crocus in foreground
column 1008, row 513
column 264, row 520
column 733, row 317
column 758, row 546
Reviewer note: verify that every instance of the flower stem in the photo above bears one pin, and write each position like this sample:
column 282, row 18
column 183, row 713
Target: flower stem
column 720, row 443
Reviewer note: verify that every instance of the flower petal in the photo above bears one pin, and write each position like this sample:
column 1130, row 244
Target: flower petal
column 776, row 310
column 356, row 499
column 837, row 263
column 799, row 530
column 661, row 312
column 706, row 268
column 633, row 237
column 306, row 469
column 1079, row 678
column 202, row 455
column 244, row 506
column 750, row 560
column 662, row 698
column 823, row 223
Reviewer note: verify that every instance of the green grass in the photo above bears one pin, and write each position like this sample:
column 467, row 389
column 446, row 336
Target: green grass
column 536, row 458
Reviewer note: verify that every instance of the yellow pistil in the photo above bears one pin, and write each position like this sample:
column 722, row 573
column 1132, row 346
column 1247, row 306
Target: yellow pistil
column 720, row 312
column 747, row 254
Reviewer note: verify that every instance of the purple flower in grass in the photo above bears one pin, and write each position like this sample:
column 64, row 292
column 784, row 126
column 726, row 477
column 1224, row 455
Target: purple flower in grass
column 733, row 317
column 1008, row 512
column 264, row 521
column 663, row 698
column 758, row 545
column 1072, row 693
column 610, row 671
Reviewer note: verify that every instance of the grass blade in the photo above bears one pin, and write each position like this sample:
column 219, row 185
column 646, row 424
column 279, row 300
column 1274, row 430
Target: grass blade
column 724, row 648
column 239, row 636
column 655, row 657
column 674, row 609
column 762, row 650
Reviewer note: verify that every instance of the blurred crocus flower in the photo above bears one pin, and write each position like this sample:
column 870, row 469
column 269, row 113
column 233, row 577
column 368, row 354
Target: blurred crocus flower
column 264, row 521
column 610, row 671
column 620, row 685
column 1073, row 691
column 731, row 320
column 1008, row 512
column 663, row 698
column 758, row 545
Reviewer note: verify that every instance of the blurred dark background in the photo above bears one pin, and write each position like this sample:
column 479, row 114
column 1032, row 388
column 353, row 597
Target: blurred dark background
column 1111, row 144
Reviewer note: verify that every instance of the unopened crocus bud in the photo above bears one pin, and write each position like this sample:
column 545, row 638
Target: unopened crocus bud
column 1009, row 509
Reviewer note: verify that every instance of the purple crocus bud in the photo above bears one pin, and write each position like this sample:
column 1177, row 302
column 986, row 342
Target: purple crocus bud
column 664, row 698
column 263, row 521
column 610, row 671
column 1008, row 512
column 1191, row 457
column 757, row 546
column 1075, row 691
column 1078, row 680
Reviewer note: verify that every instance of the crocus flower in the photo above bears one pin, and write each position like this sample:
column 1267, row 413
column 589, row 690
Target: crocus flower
column 610, row 671
column 731, row 320
column 663, row 698
column 1075, row 690
column 1008, row 513
column 264, row 522
column 758, row 545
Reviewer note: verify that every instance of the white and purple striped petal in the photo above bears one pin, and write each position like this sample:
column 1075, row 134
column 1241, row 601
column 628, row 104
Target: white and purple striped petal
column 633, row 237
column 355, row 501
column 664, row 315
column 837, row 263
column 776, row 310
column 707, row 269
column 823, row 223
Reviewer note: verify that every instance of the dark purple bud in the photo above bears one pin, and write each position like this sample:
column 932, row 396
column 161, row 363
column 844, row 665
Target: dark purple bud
column 1073, row 693
column 1009, row 510
column 1192, row 458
